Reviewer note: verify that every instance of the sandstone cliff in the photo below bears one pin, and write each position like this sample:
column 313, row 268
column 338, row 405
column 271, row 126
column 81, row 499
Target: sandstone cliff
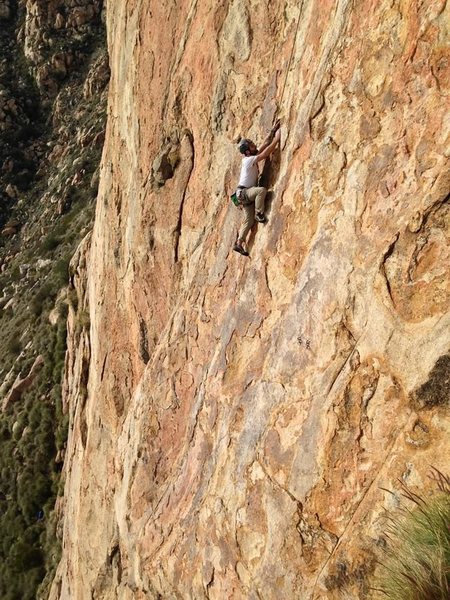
column 233, row 421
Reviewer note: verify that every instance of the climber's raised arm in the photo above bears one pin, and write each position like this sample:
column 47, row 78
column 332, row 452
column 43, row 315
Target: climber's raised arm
column 270, row 137
column 266, row 152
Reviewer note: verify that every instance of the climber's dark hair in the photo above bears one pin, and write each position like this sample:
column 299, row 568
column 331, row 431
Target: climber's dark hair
column 244, row 145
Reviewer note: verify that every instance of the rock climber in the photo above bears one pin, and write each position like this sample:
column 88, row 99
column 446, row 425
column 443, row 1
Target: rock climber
column 249, row 197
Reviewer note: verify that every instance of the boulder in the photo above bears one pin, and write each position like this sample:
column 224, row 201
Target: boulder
column 60, row 22
column 11, row 191
column 9, row 231
column 22, row 384
column 23, row 269
column 43, row 263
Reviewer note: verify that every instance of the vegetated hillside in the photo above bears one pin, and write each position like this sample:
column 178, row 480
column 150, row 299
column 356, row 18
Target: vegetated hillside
column 53, row 77
column 235, row 423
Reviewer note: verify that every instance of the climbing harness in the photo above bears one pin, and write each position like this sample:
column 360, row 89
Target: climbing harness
column 234, row 199
column 239, row 197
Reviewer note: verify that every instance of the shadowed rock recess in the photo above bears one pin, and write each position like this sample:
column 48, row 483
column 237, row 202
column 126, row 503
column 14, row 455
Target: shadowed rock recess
column 234, row 423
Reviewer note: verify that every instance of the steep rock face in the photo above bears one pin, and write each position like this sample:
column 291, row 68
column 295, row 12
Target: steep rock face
column 239, row 418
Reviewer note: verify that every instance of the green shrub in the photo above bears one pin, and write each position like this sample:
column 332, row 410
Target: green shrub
column 45, row 294
column 14, row 345
column 24, row 556
column 72, row 298
column 83, row 319
column 15, row 273
column 62, row 270
column 51, row 242
column 61, row 433
column 416, row 565
column 32, row 492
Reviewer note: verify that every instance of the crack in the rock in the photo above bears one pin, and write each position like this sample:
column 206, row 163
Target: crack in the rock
column 103, row 367
column 276, row 484
column 342, row 367
column 179, row 225
column 321, row 96
column 210, row 582
column 436, row 79
column 143, row 341
column 267, row 282
column 176, row 60
column 385, row 257
column 420, row 245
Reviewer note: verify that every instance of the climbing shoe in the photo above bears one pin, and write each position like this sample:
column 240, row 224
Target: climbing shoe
column 260, row 217
column 238, row 248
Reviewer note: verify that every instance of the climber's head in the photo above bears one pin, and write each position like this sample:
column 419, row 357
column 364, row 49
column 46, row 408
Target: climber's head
column 247, row 147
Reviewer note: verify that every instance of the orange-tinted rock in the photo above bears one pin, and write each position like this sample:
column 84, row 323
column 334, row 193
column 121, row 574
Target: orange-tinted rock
column 234, row 422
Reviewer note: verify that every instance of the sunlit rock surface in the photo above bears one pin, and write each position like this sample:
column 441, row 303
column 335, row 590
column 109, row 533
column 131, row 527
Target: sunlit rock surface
column 234, row 421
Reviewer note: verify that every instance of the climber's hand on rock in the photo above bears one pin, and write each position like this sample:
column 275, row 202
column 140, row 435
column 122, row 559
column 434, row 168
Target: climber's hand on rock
column 277, row 135
column 272, row 132
column 276, row 127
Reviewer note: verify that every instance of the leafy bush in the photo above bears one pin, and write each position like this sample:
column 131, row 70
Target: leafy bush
column 51, row 242
column 44, row 295
column 14, row 345
column 62, row 270
column 416, row 565
column 29, row 476
column 15, row 273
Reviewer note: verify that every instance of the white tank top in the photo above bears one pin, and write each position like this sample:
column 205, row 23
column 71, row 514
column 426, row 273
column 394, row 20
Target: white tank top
column 249, row 172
